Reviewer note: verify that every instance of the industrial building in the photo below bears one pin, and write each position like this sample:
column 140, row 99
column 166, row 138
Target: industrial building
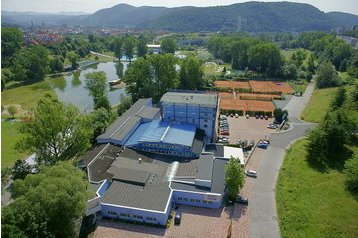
column 151, row 159
column 198, row 108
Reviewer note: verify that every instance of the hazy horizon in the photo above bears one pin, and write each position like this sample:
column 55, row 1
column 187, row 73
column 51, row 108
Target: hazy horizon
column 91, row 6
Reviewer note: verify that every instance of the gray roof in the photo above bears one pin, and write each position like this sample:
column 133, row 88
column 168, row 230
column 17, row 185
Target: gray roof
column 119, row 129
column 205, row 167
column 151, row 197
column 217, row 149
column 217, row 180
column 204, row 99
column 139, row 184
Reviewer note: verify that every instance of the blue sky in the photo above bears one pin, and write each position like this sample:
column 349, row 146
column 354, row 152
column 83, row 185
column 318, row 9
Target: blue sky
column 91, row 6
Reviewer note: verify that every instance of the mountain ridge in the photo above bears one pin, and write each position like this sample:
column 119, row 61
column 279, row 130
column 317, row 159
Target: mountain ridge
column 248, row 16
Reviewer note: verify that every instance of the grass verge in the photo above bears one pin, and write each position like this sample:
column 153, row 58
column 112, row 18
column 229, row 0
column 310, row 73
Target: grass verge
column 311, row 203
column 318, row 105
column 9, row 137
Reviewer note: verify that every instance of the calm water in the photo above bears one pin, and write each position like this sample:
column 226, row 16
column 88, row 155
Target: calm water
column 71, row 88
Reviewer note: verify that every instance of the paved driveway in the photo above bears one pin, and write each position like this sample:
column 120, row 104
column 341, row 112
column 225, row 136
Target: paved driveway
column 263, row 217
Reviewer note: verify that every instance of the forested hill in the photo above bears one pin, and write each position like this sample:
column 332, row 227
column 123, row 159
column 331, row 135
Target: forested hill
column 249, row 16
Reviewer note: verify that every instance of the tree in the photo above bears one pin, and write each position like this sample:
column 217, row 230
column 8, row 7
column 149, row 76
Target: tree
column 56, row 65
column 99, row 120
column 142, row 48
column 126, row 103
column 290, row 71
column 119, row 69
column 11, row 40
column 20, row 169
column 73, row 57
column 96, row 84
column 234, row 177
column 12, row 110
column 92, row 38
column 278, row 114
column 151, row 77
column 191, row 74
column 118, row 44
column 128, row 46
column 46, row 204
column 351, row 171
column 30, row 64
column 298, row 57
column 265, row 58
column 239, row 53
column 339, row 98
column 55, row 132
column 327, row 76
column 311, row 63
column 167, row 46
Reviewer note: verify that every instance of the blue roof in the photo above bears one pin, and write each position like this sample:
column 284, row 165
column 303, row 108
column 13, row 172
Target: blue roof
column 163, row 131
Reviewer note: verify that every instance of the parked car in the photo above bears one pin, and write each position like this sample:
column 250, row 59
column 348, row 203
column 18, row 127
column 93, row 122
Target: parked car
column 224, row 140
column 257, row 116
column 242, row 200
column 230, row 202
column 177, row 218
column 262, row 145
column 231, row 115
column 224, row 133
column 236, row 115
column 251, row 173
column 266, row 117
column 247, row 116
column 222, row 117
column 271, row 126
column 261, row 116
column 252, row 143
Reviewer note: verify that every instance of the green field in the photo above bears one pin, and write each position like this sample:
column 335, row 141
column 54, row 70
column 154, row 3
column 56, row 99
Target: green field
column 318, row 105
column 27, row 95
column 311, row 203
column 9, row 136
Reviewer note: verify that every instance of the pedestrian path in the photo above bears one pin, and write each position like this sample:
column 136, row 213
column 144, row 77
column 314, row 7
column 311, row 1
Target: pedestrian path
column 301, row 123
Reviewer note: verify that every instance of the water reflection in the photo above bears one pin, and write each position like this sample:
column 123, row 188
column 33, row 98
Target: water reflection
column 71, row 88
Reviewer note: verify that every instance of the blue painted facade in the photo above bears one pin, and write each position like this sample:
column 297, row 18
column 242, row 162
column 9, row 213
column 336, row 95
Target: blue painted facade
column 203, row 117
column 103, row 188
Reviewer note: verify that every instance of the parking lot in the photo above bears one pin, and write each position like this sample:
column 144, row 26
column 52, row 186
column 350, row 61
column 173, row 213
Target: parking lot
column 242, row 128
column 195, row 222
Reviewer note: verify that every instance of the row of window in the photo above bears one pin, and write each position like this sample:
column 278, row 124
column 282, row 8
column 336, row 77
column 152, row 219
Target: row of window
column 162, row 146
column 133, row 216
column 195, row 200
column 167, row 152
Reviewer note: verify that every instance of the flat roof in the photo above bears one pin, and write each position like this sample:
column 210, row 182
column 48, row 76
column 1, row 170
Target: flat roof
column 216, row 149
column 163, row 131
column 191, row 97
column 205, row 167
column 234, row 152
column 119, row 129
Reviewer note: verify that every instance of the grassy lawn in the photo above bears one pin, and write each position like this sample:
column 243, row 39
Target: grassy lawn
column 9, row 136
column 311, row 203
column 28, row 95
column 298, row 85
column 100, row 58
column 318, row 105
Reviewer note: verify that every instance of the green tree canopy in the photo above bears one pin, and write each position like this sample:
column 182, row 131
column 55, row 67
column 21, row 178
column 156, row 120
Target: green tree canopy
column 128, row 46
column 99, row 120
column 327, row 76
column 11, row 41
column 118, row 45
column 168, row 45
column 142, row 48
column 191, row 74
column 73, row 58
column 151, row 77
column 351, row 170
column 265, row 58
column 234, row 177
column 119, row 69
column 46, row 204
column 96, row 84
column 30, row 64
column 56, row 64
column 20, row 169
column 55, row 132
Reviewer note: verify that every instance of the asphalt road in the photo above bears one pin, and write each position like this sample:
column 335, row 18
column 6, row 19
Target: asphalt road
column 263, row 222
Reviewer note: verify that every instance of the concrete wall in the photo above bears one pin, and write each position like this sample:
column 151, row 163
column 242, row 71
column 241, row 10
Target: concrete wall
column 131, row 214
column 197, row 199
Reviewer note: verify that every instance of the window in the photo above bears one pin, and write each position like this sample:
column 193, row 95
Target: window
column 139, row 217
column 149, row 218
column 192, row 200
column 210, row 202
column 204, row 201
column 112, row 213
column 205, row 126
column 180, row 198
column 205, row 120
column 123, row 214
column 185, row 199
column 197, row 200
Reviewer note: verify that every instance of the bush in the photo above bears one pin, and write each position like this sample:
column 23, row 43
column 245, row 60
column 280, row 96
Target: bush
column 351, row 170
